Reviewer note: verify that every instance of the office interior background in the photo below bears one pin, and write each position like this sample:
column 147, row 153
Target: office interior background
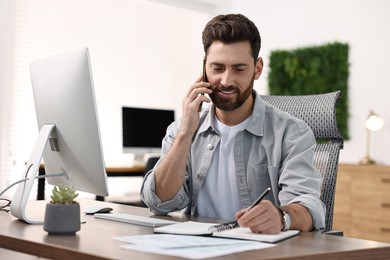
column 146, row 53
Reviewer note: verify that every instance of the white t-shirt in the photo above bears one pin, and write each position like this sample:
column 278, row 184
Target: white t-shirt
column 218, row 197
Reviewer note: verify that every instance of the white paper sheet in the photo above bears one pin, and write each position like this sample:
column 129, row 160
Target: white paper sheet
column 192, row 247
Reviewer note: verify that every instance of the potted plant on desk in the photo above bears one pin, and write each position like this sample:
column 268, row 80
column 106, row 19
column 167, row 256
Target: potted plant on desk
column 62, row 215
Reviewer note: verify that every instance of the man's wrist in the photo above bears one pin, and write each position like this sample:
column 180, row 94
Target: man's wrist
column 286, row 220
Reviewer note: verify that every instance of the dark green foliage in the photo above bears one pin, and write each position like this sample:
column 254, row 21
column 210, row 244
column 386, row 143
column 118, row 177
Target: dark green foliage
column 313, row 70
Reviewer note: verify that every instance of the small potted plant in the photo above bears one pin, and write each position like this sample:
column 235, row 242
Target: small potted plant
column 62, row 215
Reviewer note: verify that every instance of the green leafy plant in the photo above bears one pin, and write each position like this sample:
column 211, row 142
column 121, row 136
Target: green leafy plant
column 63, row 195
column 313, row 70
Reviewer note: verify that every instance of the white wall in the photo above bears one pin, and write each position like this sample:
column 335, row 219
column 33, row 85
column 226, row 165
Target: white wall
column 2, row 66
column 283, row 24
column 142, row 54
column 5, row 77
column 364, row 25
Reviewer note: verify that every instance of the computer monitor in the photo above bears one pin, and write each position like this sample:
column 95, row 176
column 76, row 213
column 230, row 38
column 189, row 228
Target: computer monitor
column 143, row 130
column 69, row 137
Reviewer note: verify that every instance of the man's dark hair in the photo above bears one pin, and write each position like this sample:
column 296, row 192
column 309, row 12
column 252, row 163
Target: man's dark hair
column 232, row 28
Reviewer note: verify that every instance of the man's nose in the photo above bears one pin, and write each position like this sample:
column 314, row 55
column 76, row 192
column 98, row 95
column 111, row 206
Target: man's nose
column 226, row 78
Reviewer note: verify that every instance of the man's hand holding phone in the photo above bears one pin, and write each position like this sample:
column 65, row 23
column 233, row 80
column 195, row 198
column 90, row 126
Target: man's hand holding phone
column 191, row 103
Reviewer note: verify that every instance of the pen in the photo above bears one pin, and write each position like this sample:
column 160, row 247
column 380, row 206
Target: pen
column 260, row 198
column 234, row 224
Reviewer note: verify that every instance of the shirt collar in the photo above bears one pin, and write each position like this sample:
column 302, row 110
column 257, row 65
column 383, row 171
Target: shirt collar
column 256, row 123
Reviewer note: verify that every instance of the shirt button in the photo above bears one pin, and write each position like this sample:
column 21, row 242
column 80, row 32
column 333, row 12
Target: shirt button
column 209, row 146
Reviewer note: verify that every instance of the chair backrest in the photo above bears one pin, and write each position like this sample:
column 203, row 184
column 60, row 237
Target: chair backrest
column 150, row 163
column 319, row 112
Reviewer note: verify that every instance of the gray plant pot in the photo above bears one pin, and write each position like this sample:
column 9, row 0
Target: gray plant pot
column 62, row 219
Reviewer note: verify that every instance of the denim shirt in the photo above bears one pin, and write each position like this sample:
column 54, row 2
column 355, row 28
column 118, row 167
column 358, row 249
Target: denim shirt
column 275, row 150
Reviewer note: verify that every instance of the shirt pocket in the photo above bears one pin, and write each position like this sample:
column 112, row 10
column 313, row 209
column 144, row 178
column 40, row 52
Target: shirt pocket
column 259, row 180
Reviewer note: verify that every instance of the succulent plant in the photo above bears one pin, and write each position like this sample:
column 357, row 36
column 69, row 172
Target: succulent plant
column 63, row 195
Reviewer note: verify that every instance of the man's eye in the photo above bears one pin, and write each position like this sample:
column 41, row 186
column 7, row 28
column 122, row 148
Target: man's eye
column 218, row 69
column 240, row 68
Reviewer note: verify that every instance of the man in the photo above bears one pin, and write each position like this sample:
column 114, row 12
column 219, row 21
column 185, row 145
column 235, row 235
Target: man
column 217, row 162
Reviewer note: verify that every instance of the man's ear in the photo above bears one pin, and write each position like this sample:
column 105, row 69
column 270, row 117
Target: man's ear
column 258, row 67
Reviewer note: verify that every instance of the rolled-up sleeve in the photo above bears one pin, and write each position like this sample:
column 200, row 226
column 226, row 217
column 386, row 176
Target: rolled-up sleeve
column 299, row 180
column 148, row 195
column 148, row 188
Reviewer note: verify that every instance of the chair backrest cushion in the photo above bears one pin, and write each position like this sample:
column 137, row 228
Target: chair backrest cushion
column 318, row 111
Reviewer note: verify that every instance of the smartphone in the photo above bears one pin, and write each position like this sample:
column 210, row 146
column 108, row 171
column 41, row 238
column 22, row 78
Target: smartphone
column 204, row 76
column 204, row 79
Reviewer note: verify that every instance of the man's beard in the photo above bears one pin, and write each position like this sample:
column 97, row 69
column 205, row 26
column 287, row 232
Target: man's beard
column 229, row 104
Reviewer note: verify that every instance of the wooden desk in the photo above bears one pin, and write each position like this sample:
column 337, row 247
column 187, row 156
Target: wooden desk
column 94, row 240
column 112, row 171
column 120, row 171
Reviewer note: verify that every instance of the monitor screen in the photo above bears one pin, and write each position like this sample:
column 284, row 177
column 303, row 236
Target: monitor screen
column 143, row 128
column 69, row 129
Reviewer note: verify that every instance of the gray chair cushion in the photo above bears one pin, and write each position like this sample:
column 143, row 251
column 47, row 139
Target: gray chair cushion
column 318, row 111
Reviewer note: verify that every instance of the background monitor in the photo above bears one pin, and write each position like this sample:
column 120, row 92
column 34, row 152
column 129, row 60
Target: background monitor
column 69, row 129
column 143, row 129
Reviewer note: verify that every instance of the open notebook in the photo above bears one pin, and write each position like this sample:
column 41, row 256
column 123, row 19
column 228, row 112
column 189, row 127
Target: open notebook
column 201, row 228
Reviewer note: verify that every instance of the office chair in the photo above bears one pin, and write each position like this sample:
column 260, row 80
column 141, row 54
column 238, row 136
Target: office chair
column 319, row 112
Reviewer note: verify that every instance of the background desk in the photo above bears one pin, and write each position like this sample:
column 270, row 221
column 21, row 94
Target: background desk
column 112, row 171
column 94, row 240
column 120, row 171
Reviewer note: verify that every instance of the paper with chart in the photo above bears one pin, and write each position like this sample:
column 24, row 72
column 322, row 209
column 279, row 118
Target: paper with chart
column 193, row 247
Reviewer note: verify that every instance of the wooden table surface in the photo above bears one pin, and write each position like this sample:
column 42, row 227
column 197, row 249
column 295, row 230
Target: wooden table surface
column 94, row 240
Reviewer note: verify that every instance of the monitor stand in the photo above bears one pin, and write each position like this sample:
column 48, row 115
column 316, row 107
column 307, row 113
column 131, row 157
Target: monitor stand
column 22, row 194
